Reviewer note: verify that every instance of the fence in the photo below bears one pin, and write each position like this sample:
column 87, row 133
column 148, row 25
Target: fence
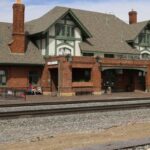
column 12, row 93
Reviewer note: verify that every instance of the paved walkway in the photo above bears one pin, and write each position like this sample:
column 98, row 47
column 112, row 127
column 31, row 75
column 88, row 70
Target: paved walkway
column 103, row 97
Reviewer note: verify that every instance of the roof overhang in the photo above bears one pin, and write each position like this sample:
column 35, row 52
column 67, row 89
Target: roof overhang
column 131, row 40
column 77, row 21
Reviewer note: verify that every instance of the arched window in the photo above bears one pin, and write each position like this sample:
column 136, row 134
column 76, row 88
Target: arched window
column 64, row 51
column 3, row 78
column 146, row 56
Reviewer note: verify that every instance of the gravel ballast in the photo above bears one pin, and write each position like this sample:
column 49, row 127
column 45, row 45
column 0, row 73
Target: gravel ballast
column 32, row 128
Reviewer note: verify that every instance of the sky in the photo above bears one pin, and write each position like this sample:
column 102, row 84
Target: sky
column 119, row 8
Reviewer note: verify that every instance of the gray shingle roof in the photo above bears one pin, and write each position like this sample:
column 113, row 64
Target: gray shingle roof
column 135, row 29
column 31, row 56
column 109, row 33
column 42, row 23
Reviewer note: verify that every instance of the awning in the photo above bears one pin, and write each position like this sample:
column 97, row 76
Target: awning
column 103, row 68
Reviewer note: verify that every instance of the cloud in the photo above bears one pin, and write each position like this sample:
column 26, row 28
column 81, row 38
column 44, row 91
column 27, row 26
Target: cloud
column 120, row 8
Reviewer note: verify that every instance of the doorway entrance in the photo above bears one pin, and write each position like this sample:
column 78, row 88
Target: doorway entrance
column 54, row 81
column 123, row 80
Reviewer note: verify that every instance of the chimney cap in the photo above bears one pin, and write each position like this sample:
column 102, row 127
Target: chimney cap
column 132, row 12
column 18, row 1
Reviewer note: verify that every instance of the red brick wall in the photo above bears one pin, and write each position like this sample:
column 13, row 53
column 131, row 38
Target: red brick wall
column 45, row 78
column 148, row 79
column 17, row 76
column 132, row 17
column 18, row 36
column 65, row 74
column 96, row 77
column 65, row 77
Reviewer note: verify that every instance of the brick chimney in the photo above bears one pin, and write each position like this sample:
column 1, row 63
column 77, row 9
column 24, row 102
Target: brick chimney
column 18, row 34
column 132, row 17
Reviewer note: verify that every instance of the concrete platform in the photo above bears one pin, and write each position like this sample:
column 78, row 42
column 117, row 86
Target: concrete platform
column 77, row 99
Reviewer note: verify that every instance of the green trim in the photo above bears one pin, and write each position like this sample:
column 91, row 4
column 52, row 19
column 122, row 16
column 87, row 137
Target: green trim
column 55, row 47
column 141, row 31
column 65, row 43
column 65, row 38
column 64, row 30
column 53, row 37
column 23, row 64
column 74, row 44
column 101, row 52
column 144, row 39
column 40, row 45
column 6, row 77
column 47, row 44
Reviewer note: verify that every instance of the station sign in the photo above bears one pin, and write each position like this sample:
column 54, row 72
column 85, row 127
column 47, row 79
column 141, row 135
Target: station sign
column 52, row 63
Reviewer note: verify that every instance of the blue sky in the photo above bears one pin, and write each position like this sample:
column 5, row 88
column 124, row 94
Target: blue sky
column 120, row 8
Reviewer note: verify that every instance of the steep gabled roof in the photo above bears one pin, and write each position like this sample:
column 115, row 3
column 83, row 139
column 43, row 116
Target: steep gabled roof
column 41, row 24
column 50, row 18
column 32, row 55
column 109, row 33
column 135, row 29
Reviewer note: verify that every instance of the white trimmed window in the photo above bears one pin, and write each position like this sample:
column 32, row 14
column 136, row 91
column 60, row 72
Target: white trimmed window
column 64, row 51
column 145, row 56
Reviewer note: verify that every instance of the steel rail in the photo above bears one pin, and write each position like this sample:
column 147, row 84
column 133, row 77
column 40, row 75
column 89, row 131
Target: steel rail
column 26, row 103
column 119, row 145
column 72, row 110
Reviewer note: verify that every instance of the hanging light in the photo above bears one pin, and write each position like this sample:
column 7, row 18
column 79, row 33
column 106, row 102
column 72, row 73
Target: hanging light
column 140, row 73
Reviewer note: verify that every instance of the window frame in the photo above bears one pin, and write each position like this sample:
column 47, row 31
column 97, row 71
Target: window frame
column 88, row 54
column 109, row 56
column 86, row 72
column 4, row 75
column 66, row 31
column 144, row 39
column 145, row 56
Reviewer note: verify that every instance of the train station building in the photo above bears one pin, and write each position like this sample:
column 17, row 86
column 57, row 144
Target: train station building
column 69, row 52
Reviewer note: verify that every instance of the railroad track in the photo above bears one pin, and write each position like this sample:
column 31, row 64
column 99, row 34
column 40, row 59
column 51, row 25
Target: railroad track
column 26, row 103
column 134, row 144
column 72, row 110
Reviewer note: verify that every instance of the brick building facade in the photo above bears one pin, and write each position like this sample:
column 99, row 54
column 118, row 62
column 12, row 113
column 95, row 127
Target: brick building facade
column 69, row 52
